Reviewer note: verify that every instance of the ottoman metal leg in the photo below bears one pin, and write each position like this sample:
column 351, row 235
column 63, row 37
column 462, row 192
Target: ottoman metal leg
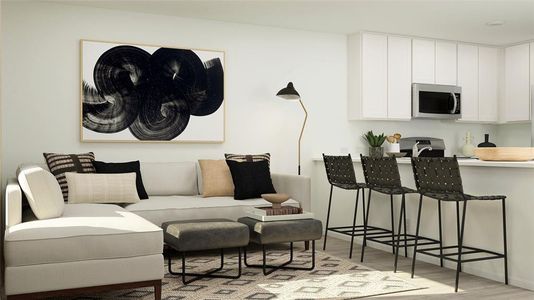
column 209, row 274
column 268, row 269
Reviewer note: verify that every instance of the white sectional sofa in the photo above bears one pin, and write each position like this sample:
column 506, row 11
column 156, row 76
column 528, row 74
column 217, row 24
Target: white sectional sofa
column 95, row 247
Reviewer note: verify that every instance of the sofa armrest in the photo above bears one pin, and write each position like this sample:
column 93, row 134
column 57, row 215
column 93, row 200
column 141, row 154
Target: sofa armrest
column 298, row 187
column 13, row 203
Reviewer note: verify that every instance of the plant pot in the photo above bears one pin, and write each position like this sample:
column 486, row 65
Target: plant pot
column 389, row 147
column 376, row 152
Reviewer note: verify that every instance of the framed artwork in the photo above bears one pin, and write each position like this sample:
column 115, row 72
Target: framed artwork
column 143, row 93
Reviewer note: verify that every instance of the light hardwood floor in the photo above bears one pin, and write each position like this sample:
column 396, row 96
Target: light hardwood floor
column 439, row 281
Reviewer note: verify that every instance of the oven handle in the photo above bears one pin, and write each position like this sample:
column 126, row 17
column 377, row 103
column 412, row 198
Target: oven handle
column 455, row 103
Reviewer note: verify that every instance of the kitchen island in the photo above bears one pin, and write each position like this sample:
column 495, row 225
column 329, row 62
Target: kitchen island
column 483, row 220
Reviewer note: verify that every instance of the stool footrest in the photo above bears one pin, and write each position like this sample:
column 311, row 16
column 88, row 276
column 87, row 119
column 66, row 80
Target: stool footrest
column 406, row 240
column 358, row 230
column 466, row 250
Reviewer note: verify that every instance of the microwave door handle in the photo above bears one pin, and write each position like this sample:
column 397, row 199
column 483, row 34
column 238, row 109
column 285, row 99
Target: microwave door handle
column 455, row 103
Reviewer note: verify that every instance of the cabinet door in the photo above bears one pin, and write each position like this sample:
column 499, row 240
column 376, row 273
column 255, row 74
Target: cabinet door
column 374, row 76
column 423, row 60
column 517, row 83
column 446, row 63
column 468, row 80
column 488, row 84
column 531, row 71
column 399, row 78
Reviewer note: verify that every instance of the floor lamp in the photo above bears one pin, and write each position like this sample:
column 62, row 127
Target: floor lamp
column 289, row 93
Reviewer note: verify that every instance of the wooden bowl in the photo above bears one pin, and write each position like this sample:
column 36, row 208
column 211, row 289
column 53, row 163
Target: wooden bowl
column 505, row 153
column 275, row 199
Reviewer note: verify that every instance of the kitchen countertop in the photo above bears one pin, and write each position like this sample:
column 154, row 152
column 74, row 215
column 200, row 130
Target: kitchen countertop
column 470, row 162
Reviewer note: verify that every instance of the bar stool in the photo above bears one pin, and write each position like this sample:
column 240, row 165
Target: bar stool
column 440, row 179
column 382, row 176
column 340, row 173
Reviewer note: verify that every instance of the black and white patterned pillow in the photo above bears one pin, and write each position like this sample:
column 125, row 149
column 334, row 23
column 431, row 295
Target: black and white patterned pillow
column 248, row 157
column 59, row 164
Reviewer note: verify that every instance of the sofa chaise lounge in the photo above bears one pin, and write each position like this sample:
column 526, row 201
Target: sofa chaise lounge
column 95, row 247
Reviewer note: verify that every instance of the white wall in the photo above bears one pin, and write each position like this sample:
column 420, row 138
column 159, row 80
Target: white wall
column 40, row 87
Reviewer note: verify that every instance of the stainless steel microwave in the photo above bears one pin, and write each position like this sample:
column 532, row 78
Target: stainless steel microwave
column 434, row 101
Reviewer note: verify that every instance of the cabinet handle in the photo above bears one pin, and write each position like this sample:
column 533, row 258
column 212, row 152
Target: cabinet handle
column 455, row 103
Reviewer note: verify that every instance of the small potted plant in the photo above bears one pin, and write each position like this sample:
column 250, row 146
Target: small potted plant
column 375, row 144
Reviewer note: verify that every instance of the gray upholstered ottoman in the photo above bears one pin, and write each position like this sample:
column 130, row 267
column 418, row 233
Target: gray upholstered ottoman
column 198, row 235
column 265, row 233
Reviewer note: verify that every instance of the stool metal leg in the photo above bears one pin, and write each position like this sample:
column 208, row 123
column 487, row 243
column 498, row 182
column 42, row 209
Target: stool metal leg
column 417, row 233
column 392, row 225
column 504, row 241
column 354, row 223
column 458, row 227
column 460, row 242
column 401, row 219
column 209, row 274
column 364, row 243
column 365, row 225
column 268, row 269
column 328, row 216
column 405, row 231
column 440, row 236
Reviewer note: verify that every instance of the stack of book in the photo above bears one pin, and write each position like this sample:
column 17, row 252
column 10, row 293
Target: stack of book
column 286, row 212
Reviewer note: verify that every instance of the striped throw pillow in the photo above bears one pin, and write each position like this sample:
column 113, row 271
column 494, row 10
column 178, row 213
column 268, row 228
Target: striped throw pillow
column 248, row 157
column 59, row 164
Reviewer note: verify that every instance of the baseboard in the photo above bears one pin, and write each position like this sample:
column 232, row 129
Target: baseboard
column 470, row 268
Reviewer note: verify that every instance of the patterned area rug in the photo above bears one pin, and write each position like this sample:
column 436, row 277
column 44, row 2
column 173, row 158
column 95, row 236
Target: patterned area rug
column 332, row 278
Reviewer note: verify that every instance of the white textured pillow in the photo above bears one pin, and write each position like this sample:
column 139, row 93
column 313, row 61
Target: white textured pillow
column 102, row 188
column 42, row 191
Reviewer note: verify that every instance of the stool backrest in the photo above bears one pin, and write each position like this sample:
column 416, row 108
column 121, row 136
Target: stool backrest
column 437, row 174
column 339, row 169
column 381, row 171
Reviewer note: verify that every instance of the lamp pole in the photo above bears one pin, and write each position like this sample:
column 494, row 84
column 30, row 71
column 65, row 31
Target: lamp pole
column 302, row 130
column 289, row 93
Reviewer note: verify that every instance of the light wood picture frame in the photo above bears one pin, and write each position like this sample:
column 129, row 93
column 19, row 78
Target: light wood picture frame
column 144, row 93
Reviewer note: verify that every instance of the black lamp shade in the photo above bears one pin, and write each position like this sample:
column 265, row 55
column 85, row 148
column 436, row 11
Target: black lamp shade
column 288, row 93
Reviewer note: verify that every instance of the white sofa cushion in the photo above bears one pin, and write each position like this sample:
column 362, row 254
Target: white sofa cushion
column 160, row 209
column 102, row 188
column 85, row 232
column 42, row 191
column 175, row 178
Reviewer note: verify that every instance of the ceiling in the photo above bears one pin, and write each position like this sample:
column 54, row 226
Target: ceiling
column 445, row 19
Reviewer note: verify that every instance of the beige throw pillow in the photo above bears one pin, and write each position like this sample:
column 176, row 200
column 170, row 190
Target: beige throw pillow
column 102, row 188
column 216, row 178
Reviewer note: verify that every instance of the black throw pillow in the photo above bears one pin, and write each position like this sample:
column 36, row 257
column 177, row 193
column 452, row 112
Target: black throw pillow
column 124, row 167
column 251, row 179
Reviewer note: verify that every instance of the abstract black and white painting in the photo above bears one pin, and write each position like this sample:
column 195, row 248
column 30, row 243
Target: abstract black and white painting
column 148, row 93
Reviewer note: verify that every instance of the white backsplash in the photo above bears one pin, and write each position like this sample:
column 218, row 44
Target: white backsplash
column 514, row 135
column 452, row 132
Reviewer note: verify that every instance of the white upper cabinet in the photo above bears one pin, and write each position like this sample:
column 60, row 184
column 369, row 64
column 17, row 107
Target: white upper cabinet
column 517, row 83
column 468, row 80
column 497, row 83
column 445, row 63
column 399, row 78
column 423, row 61
column 374, row 76
column 488, row 83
